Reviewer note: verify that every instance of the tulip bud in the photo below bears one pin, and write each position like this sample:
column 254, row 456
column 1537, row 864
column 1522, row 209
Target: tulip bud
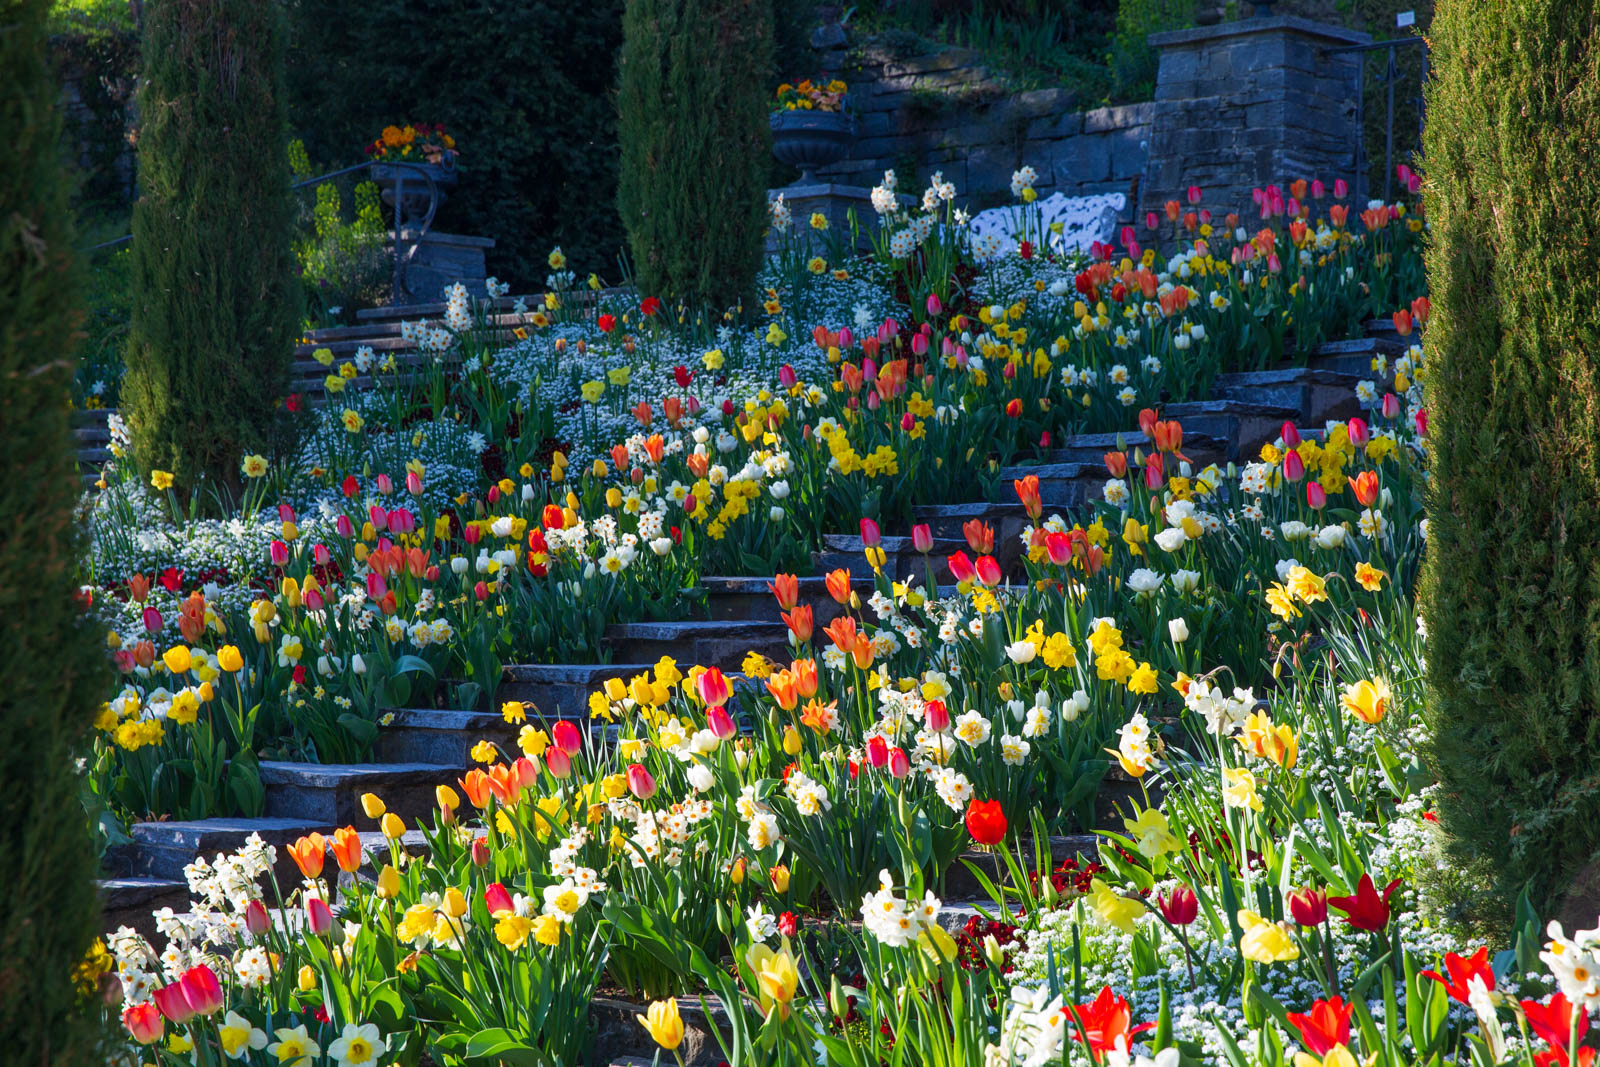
column 1316, row 496
column 1294, row 468
column 721, row 723
column 559, row 763
column 393, row 828
column 388, row 883
column 255, row 918
column 640, row 782
column 877, row 752
column 922, row 538
column 780, row 878
column 308, row 978
column 791, row 741
column 899, row 762
column 566, row 737
column 938, row 716
column 480, row 852
column 319, row 919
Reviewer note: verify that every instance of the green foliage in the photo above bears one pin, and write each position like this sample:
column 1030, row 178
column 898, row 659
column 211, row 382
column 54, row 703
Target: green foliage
column 695, row 140
column 523, row 85
column 345, row 261
column 215, row 299
column 47, row 858
column 1133, row 61
column 95, row 47
column 1511, row 586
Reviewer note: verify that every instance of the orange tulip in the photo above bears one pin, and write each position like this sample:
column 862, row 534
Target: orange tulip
column 786, row 587
column 138, row 588
column 842, row 632
column 799, row 622
column 1117, row 464
column 782, row 687
column 477, row 787
column 1028, row 492
column 838, row 583
column 979, row 535
column 641, row 411
column 505, row 784
column 1365, row 487
column 805, row 677
column 698, row 463
column 347, row 849
column 655, row 447
column 309, row 853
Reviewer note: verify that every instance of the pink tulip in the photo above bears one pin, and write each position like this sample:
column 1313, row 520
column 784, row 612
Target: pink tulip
column 1129, row 238
column 922, row 538
column 1341, row 188
column 1059, row 547
column 935, row 306
column 255, row 918
column 144, row 1022
column 877, row 752
column 1318, row 190
column 1193, row 194
column 566, row 737
column 1290, row 435
column 961, row 568
column 1155, row 472
column 919, row 344
column 345, row 527
column 1134, row 251
column 1421, row 420
column 319, row 919
column 376, row 586
column 721, row 723
column 1391, row 406
column 402, row 521
column 559, row 762
column 278, row 552
column 1151, row 220
column 413, row 483
column 846, row 339
column 787, row 377
column 385, row 484
column 497, row 898
column 526, row 773
column 378, row 517
column 1359, row 432
column 152, row 621
column 1294, row 468
column 173, row 1004
column 319, row 553
column 640, row 783
column 202, row 990
column 899, row 762
column 480, row 852
column 1316, row 496
column 870, row 535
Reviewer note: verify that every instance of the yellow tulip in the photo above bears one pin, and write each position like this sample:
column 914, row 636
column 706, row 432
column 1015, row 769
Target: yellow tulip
column 392, row 826
column 662, row 1021
column 1367, row 700
column 373, row 805
column 388, row 883
column 177, row 659
column 777, row 977
column 308, row 979
column 1265, row 942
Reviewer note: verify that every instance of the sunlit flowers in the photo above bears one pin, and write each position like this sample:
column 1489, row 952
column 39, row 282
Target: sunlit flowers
column 1368, row 699
column 1264, row 941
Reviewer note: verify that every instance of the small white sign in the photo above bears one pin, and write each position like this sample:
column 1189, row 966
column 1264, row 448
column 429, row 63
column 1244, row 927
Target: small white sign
column 1406, row 18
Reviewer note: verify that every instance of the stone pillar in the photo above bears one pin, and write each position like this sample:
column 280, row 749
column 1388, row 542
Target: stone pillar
column 1250, row 103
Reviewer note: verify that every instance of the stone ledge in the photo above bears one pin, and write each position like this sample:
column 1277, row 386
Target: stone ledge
column 1276, row 24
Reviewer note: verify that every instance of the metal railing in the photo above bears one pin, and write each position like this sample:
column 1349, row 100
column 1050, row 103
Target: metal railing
column 402, row 261
column 1389, row 77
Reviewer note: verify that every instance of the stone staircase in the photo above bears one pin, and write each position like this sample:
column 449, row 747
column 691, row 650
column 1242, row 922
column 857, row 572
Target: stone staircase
column 422, row 748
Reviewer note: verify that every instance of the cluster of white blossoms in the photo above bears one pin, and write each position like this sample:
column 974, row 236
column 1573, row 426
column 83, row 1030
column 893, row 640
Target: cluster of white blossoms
column 896, row 922
column 1224, row 713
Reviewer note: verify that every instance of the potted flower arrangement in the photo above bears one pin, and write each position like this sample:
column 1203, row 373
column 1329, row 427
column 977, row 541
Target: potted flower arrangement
column 424, row 149
column 810, row 126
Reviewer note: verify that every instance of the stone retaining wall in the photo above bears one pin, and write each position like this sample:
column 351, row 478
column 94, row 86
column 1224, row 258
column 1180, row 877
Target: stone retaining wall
column 947, row 112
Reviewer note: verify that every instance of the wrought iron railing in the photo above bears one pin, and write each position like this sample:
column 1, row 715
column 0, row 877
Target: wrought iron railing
column 402, row 255
column 1389, row 77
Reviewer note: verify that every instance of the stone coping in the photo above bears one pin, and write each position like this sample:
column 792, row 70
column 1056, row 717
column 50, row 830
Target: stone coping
column 1246, row 27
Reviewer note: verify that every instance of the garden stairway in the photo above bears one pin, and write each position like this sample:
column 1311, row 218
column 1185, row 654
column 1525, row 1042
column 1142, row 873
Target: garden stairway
column 422, row 748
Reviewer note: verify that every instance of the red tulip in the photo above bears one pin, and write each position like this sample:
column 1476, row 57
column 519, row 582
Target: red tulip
column 1059, row 547
column 870, row 534
column 1308, row 907
column 1366, row 909
column 985, row 821
column 1554, row 1022
column 1462, row 970
column 938, row 716
column 1193, row 194
column 566, row 737
column 1316, row 496
column 559, row 763
column 498, row 898
column 961, row 568
column 144, row 1022
column 721, row 723
column 922, row 538
column 899, row 762
column 1421, row 420
column 607, row 323
column 1325, row 1026
column 1294, row 468
column 713, row 688
column 553, row 517
column 1291, row 436
column 319, row 919
column 640, row 782
column 202, row 990
column 988, row 570
column 877, row 751
column 1181, row 908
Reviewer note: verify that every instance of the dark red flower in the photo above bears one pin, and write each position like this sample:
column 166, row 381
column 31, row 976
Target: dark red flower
column 1309, row 907
column 1365, row 909
column 607, row 323
column 683, row 376
column 650, row 306
column 1181, row 908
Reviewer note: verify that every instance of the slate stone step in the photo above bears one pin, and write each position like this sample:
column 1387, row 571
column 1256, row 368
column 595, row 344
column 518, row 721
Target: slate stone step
column 561, row 690
column 330, row 793
column 130, row 901
column 945, row 521
column 1061, row 485
column 1091, row 448
column 1316, row 393
column 503, row 305
column 161, row 850
column 344, row 349
column 1355, row 356
column 1245, row 426
column 619, row 1039
column 719, row 643
column 902, row 561
column 434, row 736
column 734, row 598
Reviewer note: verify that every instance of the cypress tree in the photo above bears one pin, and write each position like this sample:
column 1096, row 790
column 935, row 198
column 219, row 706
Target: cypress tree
column 49, row 659
column 695, row 143
column 215, row 296
column 1511, row 585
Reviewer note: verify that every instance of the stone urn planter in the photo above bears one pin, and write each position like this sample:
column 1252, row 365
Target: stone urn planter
column 415, row 194
column 812, row 139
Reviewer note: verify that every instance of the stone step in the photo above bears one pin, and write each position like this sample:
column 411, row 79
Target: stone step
column 619, row 1039
column 1316, row 393
column 94, row 433
column 715, row 642
column 343, row 349
column 435, row 736
column 1061, row 485
column 160, row 850
column 734, row 598
column 130, row 901
column 1244, row 425
column 329, row 794
column 902, row 562
column 1091, row 448
column 1355, row 356
column 945, row 521
column 504, row 304
column 91, row 416
column 561, row 690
